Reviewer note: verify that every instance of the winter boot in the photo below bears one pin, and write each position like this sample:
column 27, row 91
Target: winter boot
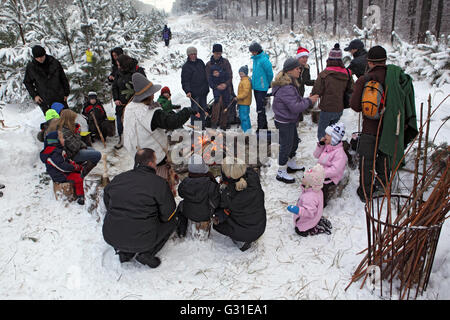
column 80, row 200
column 301, row 233
column 325, row 223
column 292, row 166
column 148, row 260
column 120, row 143
column 2, row 186
column 283, row 176
column 87, row 168
column 125, row 256
column 246, row 246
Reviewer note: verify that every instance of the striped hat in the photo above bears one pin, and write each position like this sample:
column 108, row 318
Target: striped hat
column 336, row 131
column 335, row 53
column 301, row 52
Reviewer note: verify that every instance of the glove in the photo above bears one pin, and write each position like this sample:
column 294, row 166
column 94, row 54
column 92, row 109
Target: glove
column 293, row 209
column 77, row 167
column 322, row 143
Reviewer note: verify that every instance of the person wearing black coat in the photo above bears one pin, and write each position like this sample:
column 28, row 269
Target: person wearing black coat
column 123, row 82
column 45, row 80
column 115, row 53
column 200, row 192
column 195, row 84
column 241, row 214
column 358, row 65
column 140, row 211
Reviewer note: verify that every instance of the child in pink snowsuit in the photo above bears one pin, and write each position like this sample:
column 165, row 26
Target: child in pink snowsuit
column 308, row 218
column 331, row 155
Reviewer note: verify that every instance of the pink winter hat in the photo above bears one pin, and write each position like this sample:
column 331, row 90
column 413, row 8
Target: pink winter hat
column 314, row 177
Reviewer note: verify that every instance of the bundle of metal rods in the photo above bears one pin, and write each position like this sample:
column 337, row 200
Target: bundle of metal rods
column 403, row 230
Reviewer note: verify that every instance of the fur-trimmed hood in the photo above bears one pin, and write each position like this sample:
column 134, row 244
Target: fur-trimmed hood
column 283, row 79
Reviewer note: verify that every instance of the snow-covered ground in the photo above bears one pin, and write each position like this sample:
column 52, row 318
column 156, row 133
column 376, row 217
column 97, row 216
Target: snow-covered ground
column 53, row 250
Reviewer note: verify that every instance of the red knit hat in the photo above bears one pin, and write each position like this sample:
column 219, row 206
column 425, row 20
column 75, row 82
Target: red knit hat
column 165, row 90
column 301, row 52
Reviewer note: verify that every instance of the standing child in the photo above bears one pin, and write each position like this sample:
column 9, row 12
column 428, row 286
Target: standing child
column 94, row 108
column 200, row 192
column 59, row 167
column 165, row 100
column 308, row 218
column 331, row 155
column 244, row 98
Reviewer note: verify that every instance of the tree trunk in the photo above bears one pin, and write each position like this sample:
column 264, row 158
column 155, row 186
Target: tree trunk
column 309, row 13
column 412, row 5
column 257, row 7
column 314, row 10
column 297, row 5
column 325, row 2
column 272, row 9
column 281, row 11
column 267, row 9
column 439, row 18
column 251, row 6
column 335, row 17
column 393, row 20
column 424, row 20
column 286, row 7
column 292, row 15
column 359, row 20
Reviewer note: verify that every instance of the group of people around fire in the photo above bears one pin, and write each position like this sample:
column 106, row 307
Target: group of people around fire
column 141, row 210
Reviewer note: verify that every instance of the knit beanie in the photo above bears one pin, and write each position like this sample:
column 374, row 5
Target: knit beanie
column 376, row 54
column 92, row 95
column 197, row 165
column 335, row 53
column 290, row 64
column 235, row 169
column 217, row 48
column 191, row 50
column 336, row 131
column 244, row 69
column 165, row 90
column 255, row 47
column 301, row 52
column 51, row 114
column 38, row 51
column 57, row 107
column 314, row 177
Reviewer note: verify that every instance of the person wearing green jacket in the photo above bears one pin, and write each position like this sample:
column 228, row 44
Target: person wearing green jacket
column 165, row 100
column 399, row 98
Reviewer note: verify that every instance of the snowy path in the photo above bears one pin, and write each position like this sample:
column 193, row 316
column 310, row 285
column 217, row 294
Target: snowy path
column 53, row 251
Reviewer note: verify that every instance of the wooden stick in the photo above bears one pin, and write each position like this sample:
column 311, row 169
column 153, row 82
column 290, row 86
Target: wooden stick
column 98, row 129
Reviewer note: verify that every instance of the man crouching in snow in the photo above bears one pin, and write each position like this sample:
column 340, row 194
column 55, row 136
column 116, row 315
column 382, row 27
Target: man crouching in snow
column 145, row 124
column 140, row 213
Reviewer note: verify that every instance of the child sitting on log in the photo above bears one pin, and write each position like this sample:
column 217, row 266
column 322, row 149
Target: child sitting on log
column 94, row 108
column 308, row 218
column 331, row 155
column 165, row 100
column 59, row 167
column 200, row 192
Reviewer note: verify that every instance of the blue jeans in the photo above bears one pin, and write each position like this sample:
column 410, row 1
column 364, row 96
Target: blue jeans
column 326, row 119
column 89, row 154
column 244, row 114
column 260, row 97
column 119, row 113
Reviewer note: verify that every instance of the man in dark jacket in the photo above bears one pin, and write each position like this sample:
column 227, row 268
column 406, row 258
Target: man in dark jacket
column 166, row 35
column 140, row 212
column 376, row 60
column 358, row 65
column 224, row 64
column 305, row 75
column 195, row 83
column 45, row 80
